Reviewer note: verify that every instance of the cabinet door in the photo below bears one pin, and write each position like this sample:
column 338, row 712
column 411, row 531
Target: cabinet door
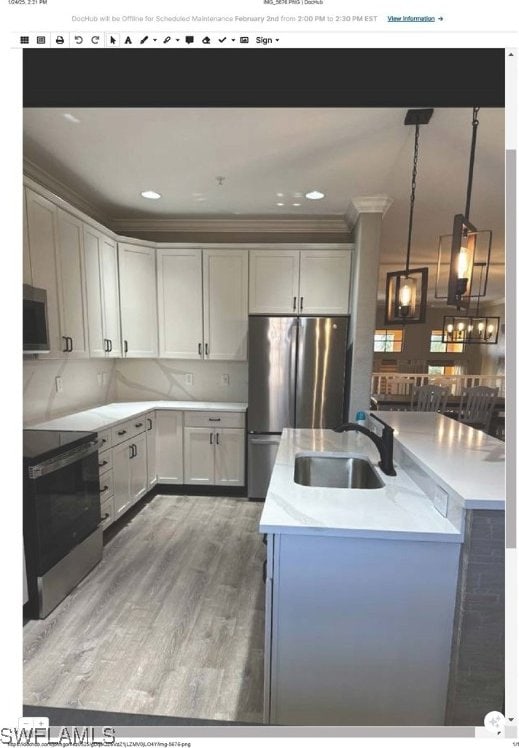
column 94, row 293
column 27, row 274
column 41, row 233
column 138, row 468
column 199, row 456
column 229, row 457
column 71, row 284
column 169, row 449
column 121, row 477
column 151, row 447
column 110, row 293
column 225, row 305
column 179, row 280
column 138, row 301
column 324, row 286
column 273, row 281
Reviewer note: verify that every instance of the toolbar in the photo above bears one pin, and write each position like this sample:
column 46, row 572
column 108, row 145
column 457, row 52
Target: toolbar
column 135, row 40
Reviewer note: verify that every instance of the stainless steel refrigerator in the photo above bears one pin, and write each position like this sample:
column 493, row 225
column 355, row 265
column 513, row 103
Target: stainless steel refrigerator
column 297, row 379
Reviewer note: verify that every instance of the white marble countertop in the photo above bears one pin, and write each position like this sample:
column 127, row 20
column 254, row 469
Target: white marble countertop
column 399, row 509
column 469, row 461
column 106, row 416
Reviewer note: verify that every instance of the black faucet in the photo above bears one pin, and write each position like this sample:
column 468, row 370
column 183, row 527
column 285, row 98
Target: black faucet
column 383, row 443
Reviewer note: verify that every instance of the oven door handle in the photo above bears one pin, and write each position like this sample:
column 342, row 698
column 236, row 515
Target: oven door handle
column 57, row 463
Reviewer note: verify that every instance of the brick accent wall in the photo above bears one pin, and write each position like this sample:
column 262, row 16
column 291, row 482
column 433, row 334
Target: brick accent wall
column 476, row 681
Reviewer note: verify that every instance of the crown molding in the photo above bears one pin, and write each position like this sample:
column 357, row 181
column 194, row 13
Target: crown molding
column 314, row 224
column 61, row 190
column 367, row 204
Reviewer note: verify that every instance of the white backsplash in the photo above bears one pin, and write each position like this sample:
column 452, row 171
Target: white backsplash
column 81, row 388
column 145, row 379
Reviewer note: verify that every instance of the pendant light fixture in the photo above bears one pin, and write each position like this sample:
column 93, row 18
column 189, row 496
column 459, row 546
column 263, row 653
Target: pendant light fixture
column 464, row 249
column 406, row 290
column 474, row 329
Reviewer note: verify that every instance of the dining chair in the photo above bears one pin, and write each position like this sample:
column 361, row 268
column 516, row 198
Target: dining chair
column 477, row 406
column 429, row 398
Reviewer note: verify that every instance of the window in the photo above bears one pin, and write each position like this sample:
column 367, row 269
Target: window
column 438, row 347
column 388, row 341
column 442, row 370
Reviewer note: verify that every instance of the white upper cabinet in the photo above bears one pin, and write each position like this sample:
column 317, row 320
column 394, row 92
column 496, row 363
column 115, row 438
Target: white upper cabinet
column 274, row 281
column 41, row 234
column 179, row 281
column 324, row 285
column 110, row 288
column 138, row 301
column 27, row 273
column 102, row 294
column 225, row 304
column 71, row 285
column 299, row 281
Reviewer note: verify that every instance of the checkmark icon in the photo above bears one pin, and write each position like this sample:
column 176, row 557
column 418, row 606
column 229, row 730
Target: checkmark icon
column 222, row 40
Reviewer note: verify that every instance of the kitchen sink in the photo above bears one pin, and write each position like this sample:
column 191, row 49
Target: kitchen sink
column 335, row 471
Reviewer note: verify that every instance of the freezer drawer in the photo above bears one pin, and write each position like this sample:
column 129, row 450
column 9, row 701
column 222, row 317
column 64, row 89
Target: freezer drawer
column 262, row 450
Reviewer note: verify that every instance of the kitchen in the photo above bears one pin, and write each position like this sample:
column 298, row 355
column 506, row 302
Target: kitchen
column 165, row 317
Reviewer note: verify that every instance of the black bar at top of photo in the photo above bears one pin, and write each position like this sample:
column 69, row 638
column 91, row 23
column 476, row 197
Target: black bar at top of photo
column 271, row 78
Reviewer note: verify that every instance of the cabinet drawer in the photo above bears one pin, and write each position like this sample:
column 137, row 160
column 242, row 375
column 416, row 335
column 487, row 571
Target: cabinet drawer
column 106, row 485
column 122, row 432
column 107, row 513
column 215, row 419
column 105, row 461
column 105, row 439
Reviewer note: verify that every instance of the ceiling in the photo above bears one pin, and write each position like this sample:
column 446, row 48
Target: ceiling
column 270, row 156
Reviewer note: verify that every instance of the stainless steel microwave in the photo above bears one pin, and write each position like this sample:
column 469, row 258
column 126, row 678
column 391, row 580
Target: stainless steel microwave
column 35, row 325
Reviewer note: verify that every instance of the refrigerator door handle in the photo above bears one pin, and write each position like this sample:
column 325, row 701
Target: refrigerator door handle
column 292, row 373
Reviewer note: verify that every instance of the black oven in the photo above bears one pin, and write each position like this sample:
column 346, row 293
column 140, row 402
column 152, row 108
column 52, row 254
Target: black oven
column 62, row 536
column 35, row 327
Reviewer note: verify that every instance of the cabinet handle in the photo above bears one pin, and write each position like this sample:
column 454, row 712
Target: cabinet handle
column 200, row 349
column 105, row 488
column 150, row 424
column 126, row 346
column 106, row 345
column 103, row 441
column 132, row 452
column 217, row 438
column 102, row 464
column 105, row 516
column 135, row 448
column 295, row 303
column 111, row 345
column 65, row 349
column 71, row 345
column 138, row 425
column 264, row 572
column 302, row 297
column 211, row 438
column 206, row 349
column 215, row 419
column 120, row 433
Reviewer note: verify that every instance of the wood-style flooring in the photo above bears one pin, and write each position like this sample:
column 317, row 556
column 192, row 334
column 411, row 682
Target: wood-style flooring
column 170, row 622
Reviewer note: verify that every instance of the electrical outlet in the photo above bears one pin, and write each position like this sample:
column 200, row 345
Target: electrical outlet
column 225, row 380
column 188, row 378
column 59, row 384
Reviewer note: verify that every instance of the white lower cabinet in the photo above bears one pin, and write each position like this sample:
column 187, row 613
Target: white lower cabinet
column 129, row 472
column 169, row 447
column 151, row 447
column 214, row 457
column 198, row 456
column 229, row 457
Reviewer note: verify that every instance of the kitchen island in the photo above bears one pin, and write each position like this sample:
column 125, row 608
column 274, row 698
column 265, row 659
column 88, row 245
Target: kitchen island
column 367, row 590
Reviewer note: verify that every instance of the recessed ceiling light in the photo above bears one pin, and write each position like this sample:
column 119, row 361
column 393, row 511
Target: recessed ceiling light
column 151, row 195
column 298, row 194
column 296, row 205
column 280, row 204
column 314, row 195
column 70, row 118
column 280, row 194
